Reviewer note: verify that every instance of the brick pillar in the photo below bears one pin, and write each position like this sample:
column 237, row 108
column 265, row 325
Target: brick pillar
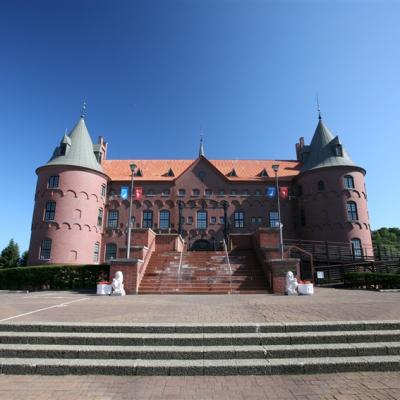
column 129, row 271
column 279, row 268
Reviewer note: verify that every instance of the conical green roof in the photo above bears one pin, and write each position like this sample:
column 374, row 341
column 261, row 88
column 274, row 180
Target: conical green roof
column 325, row 150
column 76, row 149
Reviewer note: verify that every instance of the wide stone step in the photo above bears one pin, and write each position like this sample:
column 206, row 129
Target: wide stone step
column 198, row 339
column 197, row 367
column 199, row 352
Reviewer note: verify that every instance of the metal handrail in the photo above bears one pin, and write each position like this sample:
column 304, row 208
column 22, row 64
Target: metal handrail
column 179, row 266
column 148, row 254
column 229, row 265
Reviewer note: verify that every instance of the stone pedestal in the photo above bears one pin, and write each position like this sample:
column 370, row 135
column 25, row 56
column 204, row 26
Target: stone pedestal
column 279, row 268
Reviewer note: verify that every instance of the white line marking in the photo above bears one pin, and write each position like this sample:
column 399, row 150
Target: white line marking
column 42, row 309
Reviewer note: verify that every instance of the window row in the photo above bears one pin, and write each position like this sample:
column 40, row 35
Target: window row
column 348, row 182
column 54, row 181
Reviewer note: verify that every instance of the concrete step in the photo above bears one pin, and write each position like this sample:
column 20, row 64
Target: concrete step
column 199, row 339
column 62, row 366
column 199, row 352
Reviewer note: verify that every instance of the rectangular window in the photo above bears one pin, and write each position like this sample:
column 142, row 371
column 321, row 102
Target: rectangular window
column 352, row 211
column 100, row 217
column 302, row 217
column 221, row 220
column 201, row 219
column 239, row 219
column 253, row 220
column 181, row 192
column 213, row 220
column 221, row 192
column 233, row 192
column 165, row 192
column 150, row 192
column 245, row 192
column 45, row 249
column 96, row 252
column 259, row 220
column 50, row 212
column 164, row 219
column 112, row 221
column 257, row 192
column 103, row 190
column 356, row 247
column 348, row 182
column 111, row 251
column 53, row 182
column 196, row 192
column 208, row 192
column 273, row 219
column 147, row 219
column 190, row 220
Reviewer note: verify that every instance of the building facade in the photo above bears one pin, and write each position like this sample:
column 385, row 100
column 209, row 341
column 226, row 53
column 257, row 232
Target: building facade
column 81, row 209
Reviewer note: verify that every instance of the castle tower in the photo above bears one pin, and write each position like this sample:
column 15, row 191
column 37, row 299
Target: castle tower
column 332, row 199
column 68, row 215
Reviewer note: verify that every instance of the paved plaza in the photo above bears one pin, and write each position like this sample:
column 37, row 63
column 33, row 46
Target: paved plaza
column 325, row 305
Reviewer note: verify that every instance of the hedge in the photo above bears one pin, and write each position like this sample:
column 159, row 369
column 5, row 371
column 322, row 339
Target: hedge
column 372, row 280
column 61, row 277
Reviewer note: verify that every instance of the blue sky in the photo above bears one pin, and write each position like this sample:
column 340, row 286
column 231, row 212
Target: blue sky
column 155, row 72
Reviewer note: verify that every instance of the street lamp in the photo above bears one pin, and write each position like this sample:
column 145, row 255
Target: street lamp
column 128, row 240
column 275, row 167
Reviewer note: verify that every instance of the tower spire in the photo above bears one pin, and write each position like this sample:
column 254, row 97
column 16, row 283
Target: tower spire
column 201, row 149
column 83, row 110
column 318, row 109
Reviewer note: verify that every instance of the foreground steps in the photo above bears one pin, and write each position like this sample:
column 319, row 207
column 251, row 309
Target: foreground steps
column 191, row 349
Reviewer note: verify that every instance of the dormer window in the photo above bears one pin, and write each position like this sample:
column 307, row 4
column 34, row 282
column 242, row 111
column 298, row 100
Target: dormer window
column 139, row 173
column 263, row 174
column 170, row 172
column 232, row 173
column 338, row 150
column 63, row 149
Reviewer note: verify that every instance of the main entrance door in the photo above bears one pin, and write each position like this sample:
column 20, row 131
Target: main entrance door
column 202, row 245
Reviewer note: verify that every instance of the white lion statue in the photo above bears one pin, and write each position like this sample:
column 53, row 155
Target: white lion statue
column 291, row 284
column 117, row 284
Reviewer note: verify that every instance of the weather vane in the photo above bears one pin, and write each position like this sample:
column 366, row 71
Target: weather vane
column 318, row 109
column 83, row 110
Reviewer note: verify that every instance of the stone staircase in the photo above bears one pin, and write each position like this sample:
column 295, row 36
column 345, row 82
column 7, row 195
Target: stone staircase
column 203, row 272
column 190, row 349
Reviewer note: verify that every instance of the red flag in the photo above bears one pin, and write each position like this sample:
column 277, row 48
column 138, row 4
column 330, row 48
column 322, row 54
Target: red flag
column 284, row 192
column 138, row 192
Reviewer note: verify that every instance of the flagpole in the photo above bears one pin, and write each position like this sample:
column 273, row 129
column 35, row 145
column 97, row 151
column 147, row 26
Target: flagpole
column 275, row 167
column 128, row 240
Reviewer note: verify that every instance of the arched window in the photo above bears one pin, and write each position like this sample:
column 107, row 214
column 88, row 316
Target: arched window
column 201, row 219
column 273, row 219
column 50, row 212
column 352, row 213
column 96, row 252
column 356, row 248
column 147, row 219
column 112, row 221
column 164, row 219
column 321, row 186
column 45, row 249
column 239, row 219
column 53, row 182
column 111, row 251
column 348, row 182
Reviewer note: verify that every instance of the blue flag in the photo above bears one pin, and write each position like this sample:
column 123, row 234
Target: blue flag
column 124, row 192
column 270, row 191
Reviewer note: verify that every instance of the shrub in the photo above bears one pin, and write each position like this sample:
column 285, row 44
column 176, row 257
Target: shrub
column 372, row 280
column 60, row 277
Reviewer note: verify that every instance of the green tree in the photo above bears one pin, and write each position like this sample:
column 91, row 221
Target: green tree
column 23, row 261
column 10, row 255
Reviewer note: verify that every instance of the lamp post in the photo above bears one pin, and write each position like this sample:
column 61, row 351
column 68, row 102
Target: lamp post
column 128, row 240
column 275, row 167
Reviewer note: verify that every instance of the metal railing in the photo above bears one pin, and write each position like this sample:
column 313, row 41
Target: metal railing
column 229, row 265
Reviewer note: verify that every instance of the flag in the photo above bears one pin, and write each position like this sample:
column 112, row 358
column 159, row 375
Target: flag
column 284, row 192
column 124, row 192
column 270, row 191
column 138, row 192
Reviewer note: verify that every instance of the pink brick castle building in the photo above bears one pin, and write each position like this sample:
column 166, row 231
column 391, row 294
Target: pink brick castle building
column 82, row 202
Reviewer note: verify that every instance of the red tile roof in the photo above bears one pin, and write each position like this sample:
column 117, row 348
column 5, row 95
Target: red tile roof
column 156, row 170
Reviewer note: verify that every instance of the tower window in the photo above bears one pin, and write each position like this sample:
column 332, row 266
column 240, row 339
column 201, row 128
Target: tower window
column 164, row 219
column 96, row 252
column 338, row 150
column 202, row 219
column 348, row 182
column 352, row 213
column 356, row 248
column 147, row 219
column 111, row 251
column 103, row 190
column 100, row 217
column 45, row 249
column 50, row 212
column 112, row 221
column 239, row 219
column 273, row 219
column 53, row 182
column 321, row 186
